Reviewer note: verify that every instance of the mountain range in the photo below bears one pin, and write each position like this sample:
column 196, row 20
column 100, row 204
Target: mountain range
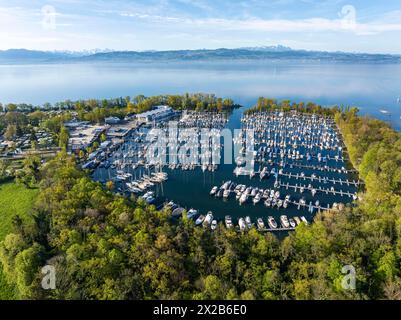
column 21, row 56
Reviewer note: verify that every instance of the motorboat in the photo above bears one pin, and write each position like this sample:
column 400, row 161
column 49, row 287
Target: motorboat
column 241, row 224
column 191, row 213
column 219, row 193
column 261, row 224
column 303, row 219
column 228, row 222
column 208, row 219
column 271, row 222
column 213, row 191
column 257, row 199
column 297, row 220
column 213, row 226
column 226, row 193
column 254, row 192
column 200, row 220
column 284, row 221
column 243, row 199
column 248, row 222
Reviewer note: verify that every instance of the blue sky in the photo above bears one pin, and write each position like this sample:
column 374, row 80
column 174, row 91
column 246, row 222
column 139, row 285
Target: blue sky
column 350, row 25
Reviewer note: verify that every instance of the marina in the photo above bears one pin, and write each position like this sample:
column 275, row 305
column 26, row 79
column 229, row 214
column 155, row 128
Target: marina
column 300, row 168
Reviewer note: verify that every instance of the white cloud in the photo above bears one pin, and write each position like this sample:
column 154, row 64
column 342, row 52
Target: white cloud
column 276, row 25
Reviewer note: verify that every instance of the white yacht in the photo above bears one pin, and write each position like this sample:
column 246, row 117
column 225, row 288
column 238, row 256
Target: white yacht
column 257, row 199
column 214, row 190
column 241, row 224
column 248, row 222
column 297, row 220
column 243, row 199
column 271, row 222
column 228, row 222
column 226, row 193
column 261, row 224
column 213, row 225
column 208, row 220
column 284, row 221
column 303, row 219
column 191, row 213
column 200, row 220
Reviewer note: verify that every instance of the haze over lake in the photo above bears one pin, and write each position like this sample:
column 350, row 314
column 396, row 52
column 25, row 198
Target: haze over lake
column 371, row 87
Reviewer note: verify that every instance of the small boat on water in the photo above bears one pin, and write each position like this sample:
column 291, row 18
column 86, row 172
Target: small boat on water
column 243, row 199
column 261, row 224
column 254, row 192
column 248, row 222
column 292, row 223
column 213, row 191
column 271, row 222
column 177, row 212
column 228, row 221
column 150, row 200
column 219, row 193
column 191, row 213
column 213, row 226
column 241, row 224
column 257, row 198
column 284, row 221
column 297, row 220
column 208, row 220
column 200, row 220
column 304, row 220
column 226, row 193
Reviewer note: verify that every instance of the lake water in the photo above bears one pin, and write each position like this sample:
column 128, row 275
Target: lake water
column 372, row 87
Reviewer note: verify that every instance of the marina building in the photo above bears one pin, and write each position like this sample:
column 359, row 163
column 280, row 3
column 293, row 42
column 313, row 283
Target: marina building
column 83, row 135
column 112, row 120
column 159, row 113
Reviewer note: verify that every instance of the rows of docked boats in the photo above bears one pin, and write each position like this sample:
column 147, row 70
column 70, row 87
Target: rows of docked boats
column 246, row 223
column 187, row 167
column 285, row 223
column 279, row 129
column 270, row 197
column 208, row 221
column 196, row 119
column 144, row 183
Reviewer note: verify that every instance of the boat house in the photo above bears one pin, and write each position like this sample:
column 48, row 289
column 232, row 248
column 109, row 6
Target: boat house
column 159, row 113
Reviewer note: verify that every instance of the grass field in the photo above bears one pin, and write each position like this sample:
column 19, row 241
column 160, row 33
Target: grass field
column 14, row 199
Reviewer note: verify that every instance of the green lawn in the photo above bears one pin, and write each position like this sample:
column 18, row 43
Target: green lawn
column 14, row 199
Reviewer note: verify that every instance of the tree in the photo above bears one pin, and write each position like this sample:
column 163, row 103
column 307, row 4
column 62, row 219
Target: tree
column 63, row 138
column 103, row 137
column 110, row 185
column 27, row 264
column 29, row 175
column 11, row 107
column 4, row 165
column 11, row 132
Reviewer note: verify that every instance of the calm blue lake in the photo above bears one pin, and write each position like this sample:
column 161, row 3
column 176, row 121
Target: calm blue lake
column 371, row 87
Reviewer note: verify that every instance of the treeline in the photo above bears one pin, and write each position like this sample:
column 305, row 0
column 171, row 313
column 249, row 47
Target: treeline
column 270, row 105
column 105, row 246
column 19, row 119
column 95, row 110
